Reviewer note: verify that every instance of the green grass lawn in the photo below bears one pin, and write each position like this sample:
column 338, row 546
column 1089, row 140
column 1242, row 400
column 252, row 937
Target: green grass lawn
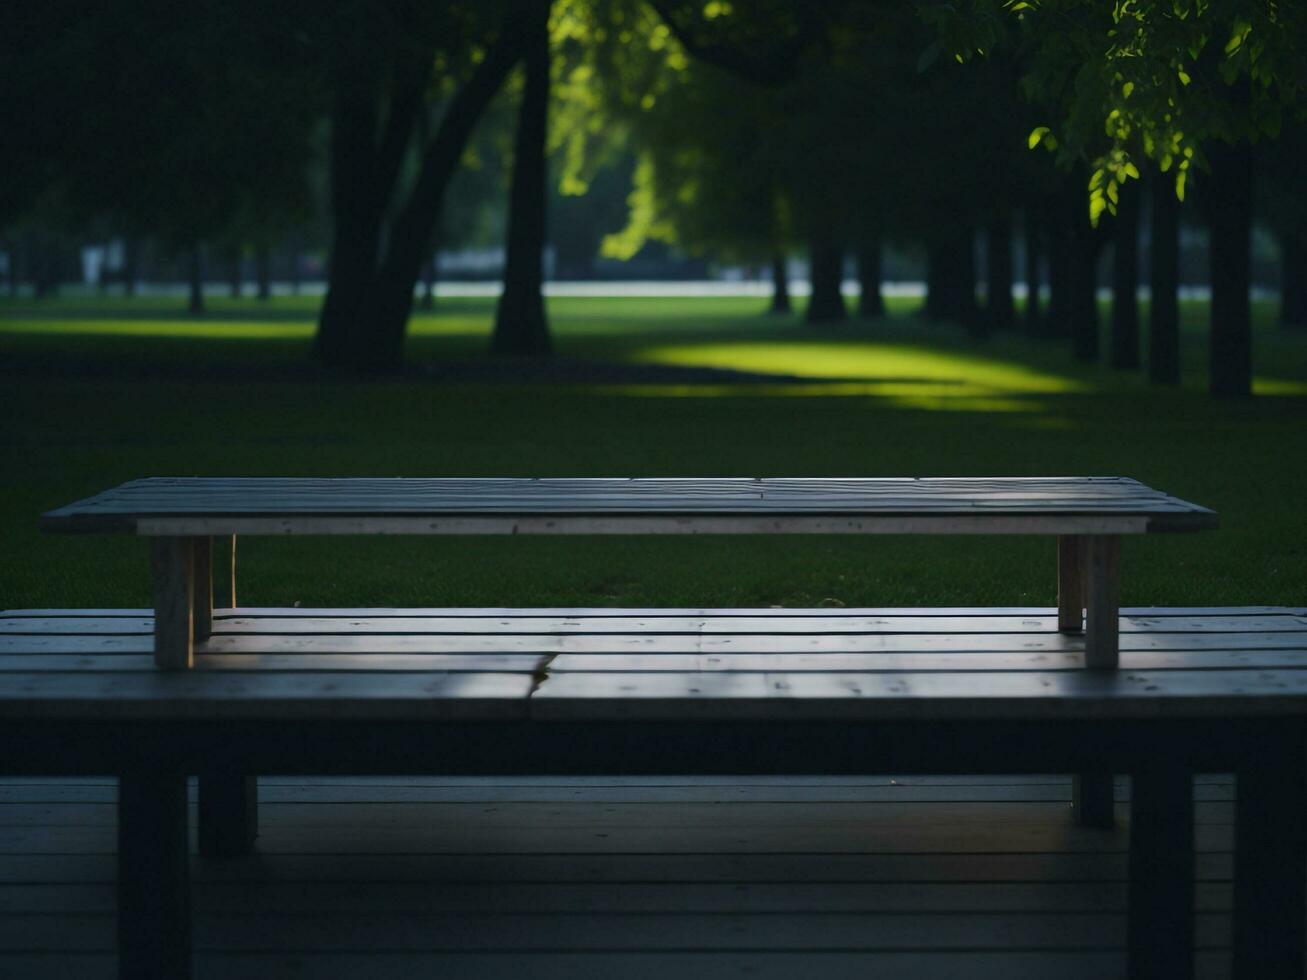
column 99, row 391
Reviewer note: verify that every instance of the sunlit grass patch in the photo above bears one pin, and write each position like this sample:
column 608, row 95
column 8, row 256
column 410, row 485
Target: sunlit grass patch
column 184, row 329
column 1279, row 387
column 909, row 375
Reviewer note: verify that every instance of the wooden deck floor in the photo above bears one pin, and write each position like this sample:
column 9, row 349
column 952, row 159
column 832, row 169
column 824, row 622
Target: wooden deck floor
column 908, row 877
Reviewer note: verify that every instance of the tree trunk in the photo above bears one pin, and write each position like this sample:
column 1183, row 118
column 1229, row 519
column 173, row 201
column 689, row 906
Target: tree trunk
column 131, row 265
column 1057, row 320
column 1231, row 367
column 870, row 256
column 1125, row 280
column 1081, row 272
column 999, row 310
column 196, row 259
column 951, row 280
column 1164, row 284
column 370, row 289
column 11, row 268
column 1293, row 278
column 780, row 283
column 1031, row 316
column 428, row 301
column 263, row 270
column 826, row 277
column 520, row 324
column 293, row 260
column 45, row 269
column 234, row 272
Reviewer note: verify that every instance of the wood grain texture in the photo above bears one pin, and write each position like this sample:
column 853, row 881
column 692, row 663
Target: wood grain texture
column 807, row 663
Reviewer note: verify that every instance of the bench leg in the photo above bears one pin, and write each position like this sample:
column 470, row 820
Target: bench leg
column 1093, row 799
column 1160, row 927
column 1270, row 870
column 172, row 569
column 228, row 814
column 154, row 919
column 232, row 594
column 202, row 597
column 1102, row 557
column 1070, row 583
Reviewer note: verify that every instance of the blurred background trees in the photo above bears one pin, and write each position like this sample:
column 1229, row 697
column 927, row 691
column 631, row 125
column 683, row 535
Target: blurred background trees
column 354, row 143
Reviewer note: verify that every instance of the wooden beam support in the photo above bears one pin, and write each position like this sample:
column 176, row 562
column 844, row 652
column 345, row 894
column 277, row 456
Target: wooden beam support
column 232, row 594
column 1270, row 869
column 172, row 568
column 1071, row 583
column 1093, row 799
column 202, row 595
column 1102, row 555
column 1160, row 926
column 228, row 814
column 154, row 920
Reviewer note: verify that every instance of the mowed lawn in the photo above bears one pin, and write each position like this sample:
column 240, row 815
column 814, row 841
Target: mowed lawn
column 98, row 391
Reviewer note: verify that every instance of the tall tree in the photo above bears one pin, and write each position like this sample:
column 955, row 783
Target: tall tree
column 1000, row 311
column 1164, row 285
column 1171, row 82
column 520, row 324
column 381, row 71
column 1124, row 349
column 1231, row 207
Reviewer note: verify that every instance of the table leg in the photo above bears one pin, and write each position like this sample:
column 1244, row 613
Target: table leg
column 154, row 918
column 202, row 619
column 1270, row 869
column 172, row 568
column 1102, row 558
column 1160, row 924
column 1070, row 583
column 1093, row 799
column 233, row 572
column 228, row 814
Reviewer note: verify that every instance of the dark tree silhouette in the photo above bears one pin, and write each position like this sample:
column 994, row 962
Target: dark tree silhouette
column 520, row 324
column 1124, row 350
column 1164, row 284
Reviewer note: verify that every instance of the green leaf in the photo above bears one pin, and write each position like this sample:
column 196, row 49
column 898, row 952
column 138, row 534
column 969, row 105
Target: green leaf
column 1131, row 170
column 1037, row 136
column 1180, row 179
column 1126, row 89
column 1184, row 77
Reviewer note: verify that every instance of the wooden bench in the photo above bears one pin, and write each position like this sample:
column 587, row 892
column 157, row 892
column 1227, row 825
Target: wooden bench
column 181, row 516
column 660, row 692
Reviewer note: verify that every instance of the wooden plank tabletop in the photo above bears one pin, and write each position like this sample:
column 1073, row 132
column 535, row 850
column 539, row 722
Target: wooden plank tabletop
column 517, row 665
column 204, row 505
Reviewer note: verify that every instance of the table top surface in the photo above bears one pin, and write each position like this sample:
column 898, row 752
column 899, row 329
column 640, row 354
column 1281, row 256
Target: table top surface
column 687, row 498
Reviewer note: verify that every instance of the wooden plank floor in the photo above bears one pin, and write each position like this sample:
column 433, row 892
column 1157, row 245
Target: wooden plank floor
column 907, row 877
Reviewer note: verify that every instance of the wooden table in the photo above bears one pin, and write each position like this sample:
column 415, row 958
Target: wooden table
column 1088, row 516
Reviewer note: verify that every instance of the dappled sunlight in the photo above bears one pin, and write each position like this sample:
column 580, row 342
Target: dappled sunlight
column 910, row 376
column 1279, row 387
column 904, row 396
column 185, row 329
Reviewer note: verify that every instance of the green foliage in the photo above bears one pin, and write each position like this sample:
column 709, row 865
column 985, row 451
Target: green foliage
column 1144, row 80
